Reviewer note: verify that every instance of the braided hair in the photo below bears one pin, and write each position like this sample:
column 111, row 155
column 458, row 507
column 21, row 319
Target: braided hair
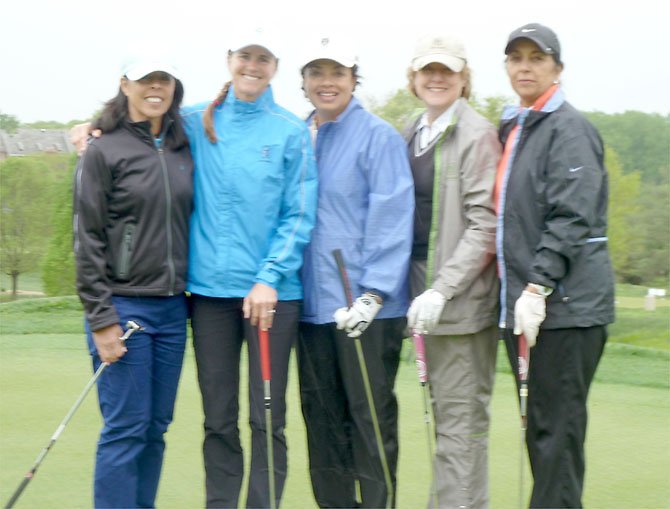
column 208, row 116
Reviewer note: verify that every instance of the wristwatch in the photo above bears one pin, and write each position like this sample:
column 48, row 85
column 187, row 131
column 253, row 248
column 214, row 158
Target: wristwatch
column 545, row 291
column 378, row 298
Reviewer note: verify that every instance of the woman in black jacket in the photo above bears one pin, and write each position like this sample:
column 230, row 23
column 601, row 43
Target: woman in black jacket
column 557, row 287
column 132, row 201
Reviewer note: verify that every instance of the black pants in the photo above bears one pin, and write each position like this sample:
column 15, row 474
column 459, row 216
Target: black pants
column 340, row 434
column 562, row 365
column 218, row 333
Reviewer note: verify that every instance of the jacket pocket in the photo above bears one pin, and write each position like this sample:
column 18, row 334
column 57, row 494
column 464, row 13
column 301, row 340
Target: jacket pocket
column 126, row 252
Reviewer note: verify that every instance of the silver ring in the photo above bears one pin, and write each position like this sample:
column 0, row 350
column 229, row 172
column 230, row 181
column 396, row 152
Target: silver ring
column 271, row 311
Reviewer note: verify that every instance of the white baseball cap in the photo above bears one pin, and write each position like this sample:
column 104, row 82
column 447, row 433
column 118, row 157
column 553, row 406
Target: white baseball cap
column 255, row 37
column 335, row 50
column 445, row 50
column 137, row 67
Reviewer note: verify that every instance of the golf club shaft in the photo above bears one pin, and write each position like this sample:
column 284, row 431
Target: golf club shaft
column 40, row 457
column 523, row 359
column 422, row 371
column 132, row 327
column 264, row 347
column 344, row 278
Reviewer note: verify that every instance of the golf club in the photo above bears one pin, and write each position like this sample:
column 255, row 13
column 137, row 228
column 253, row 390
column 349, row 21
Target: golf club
column 524, row 366
column 422, row 370
column 264, row 346
column 131, row 327
column 344, row 278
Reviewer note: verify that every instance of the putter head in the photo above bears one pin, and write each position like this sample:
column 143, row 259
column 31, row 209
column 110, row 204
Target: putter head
column 131, row 327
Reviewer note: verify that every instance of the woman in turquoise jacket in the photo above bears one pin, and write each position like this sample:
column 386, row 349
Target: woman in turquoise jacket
column 254, row 208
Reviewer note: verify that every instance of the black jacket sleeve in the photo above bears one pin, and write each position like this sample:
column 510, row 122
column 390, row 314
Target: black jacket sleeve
column 92, row 192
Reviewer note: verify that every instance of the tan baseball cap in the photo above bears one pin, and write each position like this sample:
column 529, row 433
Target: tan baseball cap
column 445, row 50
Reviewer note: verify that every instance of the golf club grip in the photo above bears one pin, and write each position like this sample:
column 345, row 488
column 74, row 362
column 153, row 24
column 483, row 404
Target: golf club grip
column 523, row 358
column 264, row 345
column 344, row 278
column 420, row 350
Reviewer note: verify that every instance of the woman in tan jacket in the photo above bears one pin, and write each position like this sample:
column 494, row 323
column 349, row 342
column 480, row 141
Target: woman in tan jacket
column 453, row 153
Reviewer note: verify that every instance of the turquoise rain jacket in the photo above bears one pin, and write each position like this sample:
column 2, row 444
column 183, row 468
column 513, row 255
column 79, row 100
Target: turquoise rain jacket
column 255, row 198
column 366, row 209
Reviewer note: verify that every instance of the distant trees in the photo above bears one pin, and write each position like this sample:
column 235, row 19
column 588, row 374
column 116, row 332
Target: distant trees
column 624, row 192
column 399, row 109
column 8, row 123
column 403, row 107
column 58, row 269
column 26, row 197
column 642, row 141
column 52, row 124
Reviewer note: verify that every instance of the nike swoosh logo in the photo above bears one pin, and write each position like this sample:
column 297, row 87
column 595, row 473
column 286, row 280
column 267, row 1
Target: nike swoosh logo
column 524, row 30
column 572, row 170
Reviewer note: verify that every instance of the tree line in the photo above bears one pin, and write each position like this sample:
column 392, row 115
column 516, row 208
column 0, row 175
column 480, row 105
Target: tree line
column 36, row 196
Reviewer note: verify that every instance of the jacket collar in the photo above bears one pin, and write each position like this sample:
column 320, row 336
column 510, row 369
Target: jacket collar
column 143, row 129
column 354, row 104
column 516, row 112
column 264, row 100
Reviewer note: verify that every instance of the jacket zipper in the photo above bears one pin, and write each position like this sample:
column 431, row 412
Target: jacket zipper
column 500, row 245
column 168, row 221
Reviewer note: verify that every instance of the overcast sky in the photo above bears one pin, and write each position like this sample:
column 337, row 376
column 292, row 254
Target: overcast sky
column 60, row 60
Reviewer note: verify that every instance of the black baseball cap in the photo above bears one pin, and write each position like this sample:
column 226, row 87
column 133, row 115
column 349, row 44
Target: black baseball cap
column 541, row 35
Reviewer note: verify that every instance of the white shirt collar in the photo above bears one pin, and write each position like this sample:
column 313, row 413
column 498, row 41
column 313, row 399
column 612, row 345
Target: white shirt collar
column 428, row 133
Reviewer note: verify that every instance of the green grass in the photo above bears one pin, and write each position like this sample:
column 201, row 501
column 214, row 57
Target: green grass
column 49, row 315
column 626, row 290
column 628, row 447
column 44, row 366
column 638, row 327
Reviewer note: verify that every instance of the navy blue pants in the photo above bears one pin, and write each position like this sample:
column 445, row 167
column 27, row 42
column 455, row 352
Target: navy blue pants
column 137, row 396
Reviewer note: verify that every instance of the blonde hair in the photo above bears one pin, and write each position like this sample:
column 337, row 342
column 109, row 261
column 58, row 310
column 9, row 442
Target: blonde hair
column 466, row 73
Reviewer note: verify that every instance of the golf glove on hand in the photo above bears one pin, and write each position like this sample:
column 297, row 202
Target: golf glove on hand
column 425, row 311
column 357, row 318
column 530, row 311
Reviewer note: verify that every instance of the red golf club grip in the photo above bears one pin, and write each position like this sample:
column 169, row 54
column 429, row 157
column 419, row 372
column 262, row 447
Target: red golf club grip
column 420, row 349
column 264, row 344
column 524, row 355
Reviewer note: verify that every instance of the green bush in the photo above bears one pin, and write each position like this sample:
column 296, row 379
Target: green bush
column 58, row 269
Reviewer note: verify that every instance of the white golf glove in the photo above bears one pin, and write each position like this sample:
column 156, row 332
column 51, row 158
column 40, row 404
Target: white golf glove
column 424, row 313
column 530, row 311
column 357, row 318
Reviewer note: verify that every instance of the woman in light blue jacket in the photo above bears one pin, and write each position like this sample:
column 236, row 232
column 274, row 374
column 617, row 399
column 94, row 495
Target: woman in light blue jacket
column 365, row 209
column 255, row 201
